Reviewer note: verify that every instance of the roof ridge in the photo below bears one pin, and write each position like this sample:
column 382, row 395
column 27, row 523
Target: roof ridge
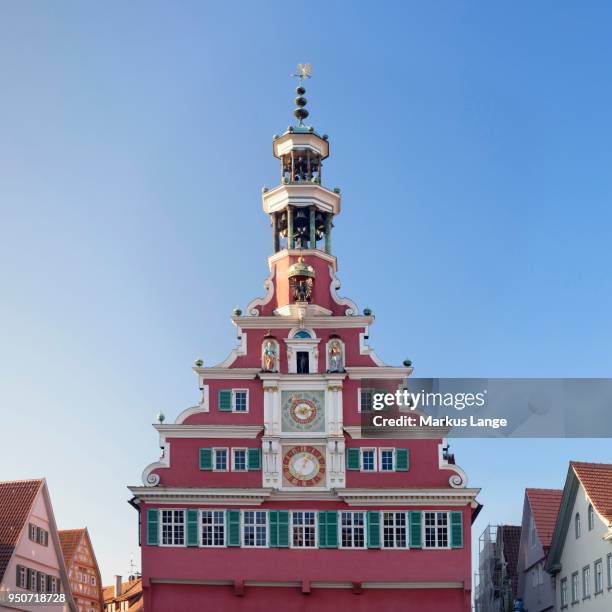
column 592, row 464
column 543, row 489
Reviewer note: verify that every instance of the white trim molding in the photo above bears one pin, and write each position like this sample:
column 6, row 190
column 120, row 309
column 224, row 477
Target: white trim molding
column 384, row 371
column 148, row 478
column 365, row 349
column 251, row 308
column 197, row 495
column 240, row 350
column 309, row 320
column 408, row 497
column 225, row 373
column 459, row 479
column 208, row 431
column 351, row 308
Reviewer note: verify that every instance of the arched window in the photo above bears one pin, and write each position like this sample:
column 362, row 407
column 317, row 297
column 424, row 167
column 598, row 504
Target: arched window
column 592, row 519
column 302, row 334
column 577, row 524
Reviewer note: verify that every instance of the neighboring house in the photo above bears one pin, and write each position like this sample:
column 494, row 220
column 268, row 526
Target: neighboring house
column 31, row 560
column 267, row 495
column 497, row 568
column 540, row 510
column 83, row 571
column 580, row 555
column 124, row 596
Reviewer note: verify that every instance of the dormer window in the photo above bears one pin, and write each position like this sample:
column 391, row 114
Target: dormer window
column 302, row 351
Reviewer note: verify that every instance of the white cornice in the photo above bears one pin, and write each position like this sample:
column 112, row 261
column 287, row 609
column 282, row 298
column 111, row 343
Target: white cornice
column 408, row 497
column 197, row 495
column 301, row 195
column 209, row 431
column 227, row 373
column 317, row 322
column 330, row 259
column 358, row 372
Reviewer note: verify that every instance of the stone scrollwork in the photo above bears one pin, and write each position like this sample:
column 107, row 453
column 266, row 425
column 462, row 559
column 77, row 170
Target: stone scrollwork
column 351, row 308
column 456, row 481
column 152, row 480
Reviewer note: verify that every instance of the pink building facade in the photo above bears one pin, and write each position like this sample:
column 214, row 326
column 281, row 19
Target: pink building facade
column 267, row 492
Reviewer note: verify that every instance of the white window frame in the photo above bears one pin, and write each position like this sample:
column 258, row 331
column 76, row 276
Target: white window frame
column 395, row 528
column 292, row 525
column 215, row 450
column 161, row 527
column 598, row 565
column 380, row 461
column 591, row 517
column 246, row 458
column 563, row 592
column 234, row 393
column 359, row 391
column 609, row 568
column 23, row 576
column 364, row 526
column 586, row 582
column 371, row 449
column 213, row 525
column 575, row 588
column 243, row 526
column 436, row 527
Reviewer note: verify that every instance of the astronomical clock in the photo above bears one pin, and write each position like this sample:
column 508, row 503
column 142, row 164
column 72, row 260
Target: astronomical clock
column 304, row 465
column 303, row 411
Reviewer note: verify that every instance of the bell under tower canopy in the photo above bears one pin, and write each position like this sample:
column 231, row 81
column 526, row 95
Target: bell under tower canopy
column 300, row 208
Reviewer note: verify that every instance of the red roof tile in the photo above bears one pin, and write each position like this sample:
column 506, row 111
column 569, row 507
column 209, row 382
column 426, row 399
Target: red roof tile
column 16, row 499
column 544, row 508
column 596, row 478
column 129, row 590
column 69, row 540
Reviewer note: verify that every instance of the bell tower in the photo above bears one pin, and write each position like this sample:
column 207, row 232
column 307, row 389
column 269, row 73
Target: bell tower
column 300, row 208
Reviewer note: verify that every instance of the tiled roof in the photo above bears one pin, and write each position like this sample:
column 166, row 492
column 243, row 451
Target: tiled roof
column 16, row 499
column 129, row 590
column 596, row 478
column 137, row 606
column 544, row 508
column 69, row 540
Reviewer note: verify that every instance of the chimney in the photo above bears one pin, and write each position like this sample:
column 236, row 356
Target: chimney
column 118, row 586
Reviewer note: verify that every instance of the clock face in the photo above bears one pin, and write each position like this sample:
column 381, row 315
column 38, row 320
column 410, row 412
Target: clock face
column 303, row 411
column 304, row 466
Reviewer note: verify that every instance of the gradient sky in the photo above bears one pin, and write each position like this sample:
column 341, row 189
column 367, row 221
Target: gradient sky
column 472, row 145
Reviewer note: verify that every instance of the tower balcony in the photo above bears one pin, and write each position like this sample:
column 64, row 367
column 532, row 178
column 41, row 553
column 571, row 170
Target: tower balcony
column 301, row 195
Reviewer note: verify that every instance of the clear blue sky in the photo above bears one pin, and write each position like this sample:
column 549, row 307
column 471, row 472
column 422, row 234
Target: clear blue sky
column 472, row 145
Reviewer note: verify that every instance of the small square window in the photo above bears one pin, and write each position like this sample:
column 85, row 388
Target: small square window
column 368, row 460
column 387, row 463
column 240, row 459
column 220, row 459
column 366, row 400
column 240, row 400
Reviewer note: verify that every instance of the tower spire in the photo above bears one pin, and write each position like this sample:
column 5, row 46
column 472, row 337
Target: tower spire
column 304, row 71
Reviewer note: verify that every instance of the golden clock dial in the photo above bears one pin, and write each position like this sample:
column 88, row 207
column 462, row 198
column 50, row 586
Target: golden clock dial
column 304, row 466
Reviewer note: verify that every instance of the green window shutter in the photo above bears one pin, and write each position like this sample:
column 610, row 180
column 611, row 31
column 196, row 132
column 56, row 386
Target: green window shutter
column 456, row 529
column 49, row 584
column 206, row 458
column 153, row 527
column 192, row 528
column 352, row 458
column 328, row 529
column 225, row 400
column 416, row 540
column 18, row 576
column 283, row 528
column 254, row 459
column 28, row 578
column 233, row 527
column 273, row 521
column 373, row 529
column 401, row 460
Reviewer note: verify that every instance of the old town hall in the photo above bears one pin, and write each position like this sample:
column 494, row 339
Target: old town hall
column 267, row 494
